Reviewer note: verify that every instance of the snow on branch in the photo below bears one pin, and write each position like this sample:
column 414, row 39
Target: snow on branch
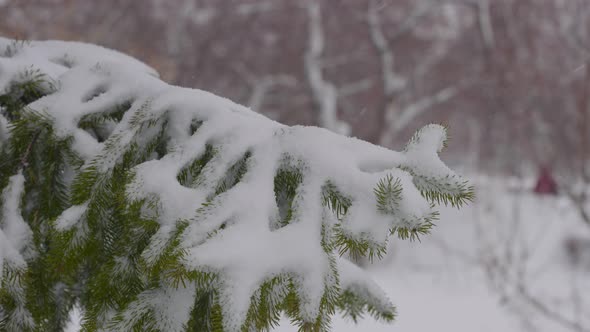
column 200, row 208
column 15, row 249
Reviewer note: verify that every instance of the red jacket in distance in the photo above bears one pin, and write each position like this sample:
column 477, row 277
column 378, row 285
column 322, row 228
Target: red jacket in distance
column 546, row 184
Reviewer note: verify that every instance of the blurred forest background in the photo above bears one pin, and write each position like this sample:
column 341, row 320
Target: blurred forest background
column 511, row 78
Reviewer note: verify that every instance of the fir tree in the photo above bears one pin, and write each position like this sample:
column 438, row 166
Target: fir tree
column 158, row 208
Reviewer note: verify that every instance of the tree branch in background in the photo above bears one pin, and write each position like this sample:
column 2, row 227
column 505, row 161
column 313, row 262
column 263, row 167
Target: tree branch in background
column 392, row 82
column 424, row 8
column 420, row 106
column 396, row 117
column 578, row 197
column 261, row 86
column 324, row 93
column 484, row 20
column 548, row 312
column 485, row 23
column 506, row 255
column 399, row 119
column 355, row 87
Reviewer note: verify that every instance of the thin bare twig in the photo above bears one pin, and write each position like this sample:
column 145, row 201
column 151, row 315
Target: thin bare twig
column 23, row 161
column 547, row 312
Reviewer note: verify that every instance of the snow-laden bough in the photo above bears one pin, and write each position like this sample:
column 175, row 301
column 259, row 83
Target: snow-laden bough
column 181, row 210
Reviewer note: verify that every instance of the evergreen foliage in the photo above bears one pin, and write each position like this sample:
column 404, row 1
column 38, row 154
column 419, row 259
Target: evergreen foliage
column 96, row 225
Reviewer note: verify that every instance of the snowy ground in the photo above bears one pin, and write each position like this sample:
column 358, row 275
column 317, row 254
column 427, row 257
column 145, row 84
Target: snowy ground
column 465, row 275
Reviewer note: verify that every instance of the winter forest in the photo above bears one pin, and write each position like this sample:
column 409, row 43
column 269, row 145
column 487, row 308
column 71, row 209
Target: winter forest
column 170, row 174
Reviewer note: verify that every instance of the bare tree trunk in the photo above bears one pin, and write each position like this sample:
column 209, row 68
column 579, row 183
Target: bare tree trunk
column 393, row 117
column 324, row 93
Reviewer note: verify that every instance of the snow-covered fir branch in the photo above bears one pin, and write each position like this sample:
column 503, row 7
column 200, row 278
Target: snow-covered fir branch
column 163, row 208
